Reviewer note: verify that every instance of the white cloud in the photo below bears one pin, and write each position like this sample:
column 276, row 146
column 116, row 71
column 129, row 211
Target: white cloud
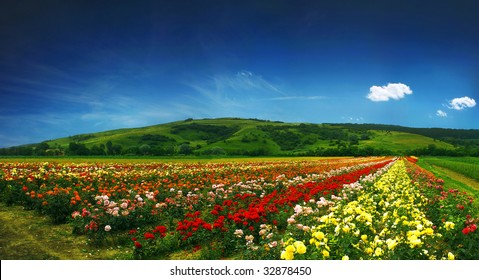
column 441, row 114
column 352, row 119
column 462, row 103
column 394, row 91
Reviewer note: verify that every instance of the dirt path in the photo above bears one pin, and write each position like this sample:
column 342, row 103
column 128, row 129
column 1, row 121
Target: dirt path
column 25, row 235
column 459, row 177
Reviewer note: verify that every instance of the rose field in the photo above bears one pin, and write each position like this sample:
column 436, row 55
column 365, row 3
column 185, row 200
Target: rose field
column 365, row 208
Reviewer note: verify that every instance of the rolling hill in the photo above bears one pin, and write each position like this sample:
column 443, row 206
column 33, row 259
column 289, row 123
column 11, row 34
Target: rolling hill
column 234, row 136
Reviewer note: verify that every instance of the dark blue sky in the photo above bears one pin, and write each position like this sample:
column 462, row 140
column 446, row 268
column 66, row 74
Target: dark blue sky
column 71, row 67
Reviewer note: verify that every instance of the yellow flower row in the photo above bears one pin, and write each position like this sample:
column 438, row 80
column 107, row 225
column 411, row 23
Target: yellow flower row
column 386, row 221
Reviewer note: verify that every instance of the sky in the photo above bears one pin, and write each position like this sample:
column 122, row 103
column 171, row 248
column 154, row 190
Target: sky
column 73, row 67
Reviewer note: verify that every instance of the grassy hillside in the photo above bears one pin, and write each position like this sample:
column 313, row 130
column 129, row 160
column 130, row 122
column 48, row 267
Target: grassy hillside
column 397, row 141
column 251, row 137
column 248, row 136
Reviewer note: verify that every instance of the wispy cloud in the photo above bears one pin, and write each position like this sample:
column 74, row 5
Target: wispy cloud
column 296, row 97
column 462, row 103
column 246, row 81
column 394, row 91
column 441, row 114
column 239, row 94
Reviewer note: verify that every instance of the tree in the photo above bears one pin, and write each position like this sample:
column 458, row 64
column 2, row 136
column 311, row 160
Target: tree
column 109, row 148
column 185, row 149
column 78, row 149
column 116, row 149
column 353, row 139
column 145, row 149
column 41, row 148
column 97, row 150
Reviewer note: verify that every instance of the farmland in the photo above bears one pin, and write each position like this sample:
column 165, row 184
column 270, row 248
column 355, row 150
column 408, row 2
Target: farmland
column 283, row 208
column 466, row 166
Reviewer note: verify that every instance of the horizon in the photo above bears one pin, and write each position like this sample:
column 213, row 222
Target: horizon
column 77, row 68
column 235, row 118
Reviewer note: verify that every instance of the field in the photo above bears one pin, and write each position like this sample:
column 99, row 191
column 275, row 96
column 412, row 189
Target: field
column 268, row 208
column 466, row 166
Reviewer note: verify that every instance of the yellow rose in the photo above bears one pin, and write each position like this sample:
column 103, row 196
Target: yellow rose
column 378, row 252
column 428, row 231
column 449, row 225
column 319, row 235
column 287, row 255
column 345, row 258
column 290, row 249
column 325, row 253
column 450, row 256
column 391, row 244
column 414, row 241
column 300, row 247
column 364, row 237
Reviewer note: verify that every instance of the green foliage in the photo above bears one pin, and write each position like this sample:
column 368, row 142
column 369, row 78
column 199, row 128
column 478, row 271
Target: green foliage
column 58, row 207
column 252, row 137
column 210, row 133
column 467, row 167
column 78, row 149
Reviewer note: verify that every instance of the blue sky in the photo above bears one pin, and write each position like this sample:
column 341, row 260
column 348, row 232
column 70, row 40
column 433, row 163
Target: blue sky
column 71, row 67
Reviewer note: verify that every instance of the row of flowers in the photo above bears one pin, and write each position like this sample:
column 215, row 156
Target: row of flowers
column 455, row 214
column 387, row 220
column 58, row 189
column 351, row 208
column 119, row 197
column 251, row 225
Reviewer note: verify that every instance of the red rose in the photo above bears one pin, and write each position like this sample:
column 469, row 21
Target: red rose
column 149, row 235
column 466, row 230
column 138, row 244
column 207, row 226
column 160, row 229
column 473, row 227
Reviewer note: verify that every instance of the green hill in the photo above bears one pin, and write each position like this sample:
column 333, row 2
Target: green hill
column 233, row 136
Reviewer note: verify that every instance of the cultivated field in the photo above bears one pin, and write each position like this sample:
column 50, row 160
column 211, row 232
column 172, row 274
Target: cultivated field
column 283, row 208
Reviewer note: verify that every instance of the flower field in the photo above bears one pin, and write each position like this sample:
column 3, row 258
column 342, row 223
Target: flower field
column 345, row 208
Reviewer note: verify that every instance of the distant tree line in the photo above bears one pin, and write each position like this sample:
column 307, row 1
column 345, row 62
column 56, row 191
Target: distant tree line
column 111, row 149
column 431, row 150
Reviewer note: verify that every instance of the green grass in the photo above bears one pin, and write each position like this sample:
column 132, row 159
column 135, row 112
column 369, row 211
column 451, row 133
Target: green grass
column 26, row 235
column 401, row 141
column 466, row 166
column 247, row 136
column 453, row 179
column 471, row 160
